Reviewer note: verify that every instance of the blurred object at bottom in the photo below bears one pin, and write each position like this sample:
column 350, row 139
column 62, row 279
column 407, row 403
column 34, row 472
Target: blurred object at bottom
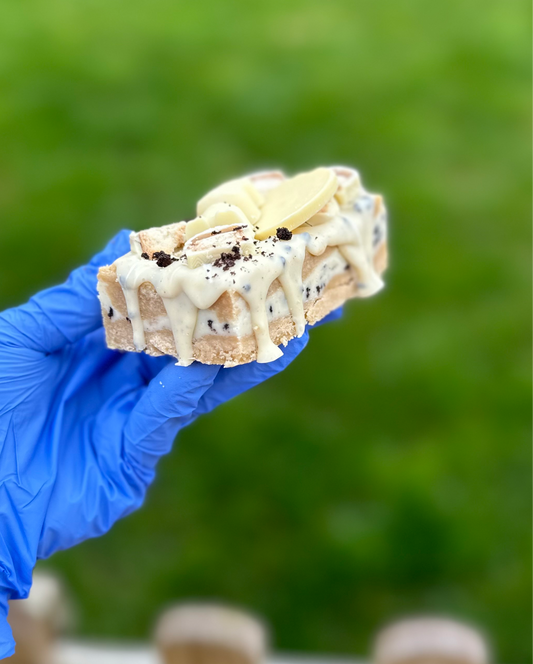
column 104, row 653
column 203, row 633
column 430, row 641
column 210, row 634
column 39, row 620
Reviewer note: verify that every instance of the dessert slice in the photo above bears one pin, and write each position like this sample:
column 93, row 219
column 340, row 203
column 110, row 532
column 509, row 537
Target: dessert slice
column 265, row 256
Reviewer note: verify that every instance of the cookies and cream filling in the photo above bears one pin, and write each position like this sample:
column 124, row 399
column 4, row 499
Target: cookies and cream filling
column 240, row 325
column 269, row 224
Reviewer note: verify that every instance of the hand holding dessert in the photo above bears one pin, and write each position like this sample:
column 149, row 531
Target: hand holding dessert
column 82, row 427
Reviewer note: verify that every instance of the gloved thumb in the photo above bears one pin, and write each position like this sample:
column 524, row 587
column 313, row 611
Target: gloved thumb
column 65, row 313
column 166, row 406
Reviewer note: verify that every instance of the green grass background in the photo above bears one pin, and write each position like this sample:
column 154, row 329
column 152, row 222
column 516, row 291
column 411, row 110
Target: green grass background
column 388, row 470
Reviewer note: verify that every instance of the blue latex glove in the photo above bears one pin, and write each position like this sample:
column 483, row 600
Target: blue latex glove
column 82, row 427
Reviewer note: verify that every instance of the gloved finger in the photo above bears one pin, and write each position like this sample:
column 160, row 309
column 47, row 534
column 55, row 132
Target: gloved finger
column 167, row 404
column 235, row 380
column 64, row 314
column 150, row 366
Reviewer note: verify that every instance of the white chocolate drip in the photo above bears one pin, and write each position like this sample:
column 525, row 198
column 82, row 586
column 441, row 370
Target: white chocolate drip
column 184, row 291
column 182, row 315
column 291, row 282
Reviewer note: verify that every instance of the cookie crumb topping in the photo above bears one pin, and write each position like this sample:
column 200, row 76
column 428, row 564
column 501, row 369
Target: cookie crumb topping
column 227, row 260
column 283, row 233
column 163, row 259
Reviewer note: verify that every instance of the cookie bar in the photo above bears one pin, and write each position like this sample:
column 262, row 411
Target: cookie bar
column 265, row 256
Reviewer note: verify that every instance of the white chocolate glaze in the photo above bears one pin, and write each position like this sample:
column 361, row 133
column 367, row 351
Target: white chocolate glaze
column 240, row 324
column 358, row 230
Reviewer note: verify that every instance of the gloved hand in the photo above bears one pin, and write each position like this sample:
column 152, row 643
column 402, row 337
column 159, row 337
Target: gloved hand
column 82, row 427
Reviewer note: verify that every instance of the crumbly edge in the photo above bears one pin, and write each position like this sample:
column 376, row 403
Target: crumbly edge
column 167, row 238
column 217, row 349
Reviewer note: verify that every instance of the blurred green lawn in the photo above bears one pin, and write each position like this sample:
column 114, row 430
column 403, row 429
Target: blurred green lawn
column 388, row 470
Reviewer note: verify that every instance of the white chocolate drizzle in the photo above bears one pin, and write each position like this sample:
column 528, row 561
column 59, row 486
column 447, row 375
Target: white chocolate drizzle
column 355, row 230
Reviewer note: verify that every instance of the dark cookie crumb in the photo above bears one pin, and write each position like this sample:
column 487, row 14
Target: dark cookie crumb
column 110, row 312
column 215, row 233
column 270, row 308
column 210, row 324
column 283, row 233
column 307, row 292
column 227, row 260
column 163, row 259
column 145, row 256
column 226, row 326
column 129, row 321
